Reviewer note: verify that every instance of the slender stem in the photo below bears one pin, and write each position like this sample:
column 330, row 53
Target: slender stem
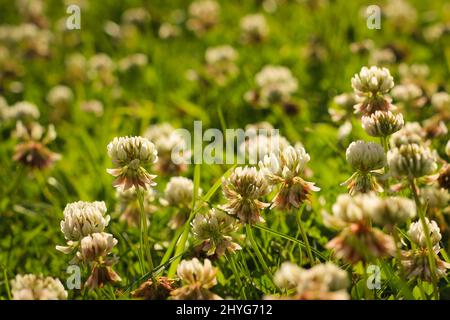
column 231, row 258
column 426, row 230
column 397, row 241
column 249, row 230
column 145, row 247
column 312, row 261
column 5, row 277
column 385, row 144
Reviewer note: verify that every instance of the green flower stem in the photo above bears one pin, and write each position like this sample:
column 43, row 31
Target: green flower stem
column 385, row 144
column 431, row 259
column 260, row 257
column 305, row 236
column 236, row 274
column 398, row 253
column 145, row 247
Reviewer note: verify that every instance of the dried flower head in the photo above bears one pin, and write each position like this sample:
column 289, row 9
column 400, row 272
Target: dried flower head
column 32, row 150
column 382, row 123
column 197, row 280
column 130, row 155
column 243, row 190
column 286, row 168
column 83, row 218
column 411, row 160
column 94, row 249
column 370, row 85
column 148, row 291
column 215, row 229
column 33, row 287
column 444, row 177
column 253, row 28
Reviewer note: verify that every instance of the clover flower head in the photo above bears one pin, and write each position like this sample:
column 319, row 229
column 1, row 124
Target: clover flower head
column 435, row 198
column 447, row 148
column 253, row 28
column 203, row 16
column 81, row 219
column 22, row 110
column 382, row 123
column 411, row 160
column 130, row 155
column 178, row 192
column 417, row 234
column 59, row 96
column 259, row 145
column 372, row 80
column 365, row 156
column 392, row 211
column 350, row 209
column 406, row 92
column 37, row 287
column 32, row 150
column 243, row 190
column 440, row 100
column 215, row 229
column 412, row 132
column 197, row 278
column 323, row 282
column 96, row 246
column 220, row 54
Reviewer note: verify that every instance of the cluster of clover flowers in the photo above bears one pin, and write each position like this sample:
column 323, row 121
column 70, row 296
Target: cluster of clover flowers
column 402, row 155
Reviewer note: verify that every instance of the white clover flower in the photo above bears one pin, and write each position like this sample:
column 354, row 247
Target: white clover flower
column 203, row 15
column 59, row 96
column 286, row 168
column 33, row 287
column 243, row 190
column 275, row 84
column 179, row 192
column 214, row 228
column 81, row 219
column 372, row 80
column 350, row 209
column 411, row 160
column 440, row 100
column 168, row 141
column 253, row 28
column 435, row 198
column 412, row 132
column 197, row 278
column 382, row 123
column 22, row 110
column 413, row 72
column 365, row 156
column 138, row 15
column 168, row 30
column 220, row 54
column 130, row 155
column 96, row 246
column 417, row 235
column 136, row 60
column 288, row 276
column 92, row 106
column 406, row 92
column 392, row 210
column 322, row 282
column 259, row 145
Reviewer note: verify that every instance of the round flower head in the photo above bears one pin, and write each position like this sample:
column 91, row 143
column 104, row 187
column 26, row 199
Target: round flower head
column 370, row 85
column 32, row 287
column 440, row 100
column 286, row 168
column 447, row 148
column 220, row 64
column 130, row 155
column 220, row 54
column 406, row 92
column 417, row 235
column 322, row 282
column 382, row 123
column 350, row 209
column 59, row 96
column 261, row 143
column 392, row 211
column 22, row 110
column 178, row 192
column 365, row 156
column 214, row 228
column 412, row 132
column 81, row 219
column 197, row 279
column 372, row 80
column 411, row 160
column 96, row 246
column 275, row 85
column 253, row 28
column 242, row 189
column 435, row 198
column 203, row 15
